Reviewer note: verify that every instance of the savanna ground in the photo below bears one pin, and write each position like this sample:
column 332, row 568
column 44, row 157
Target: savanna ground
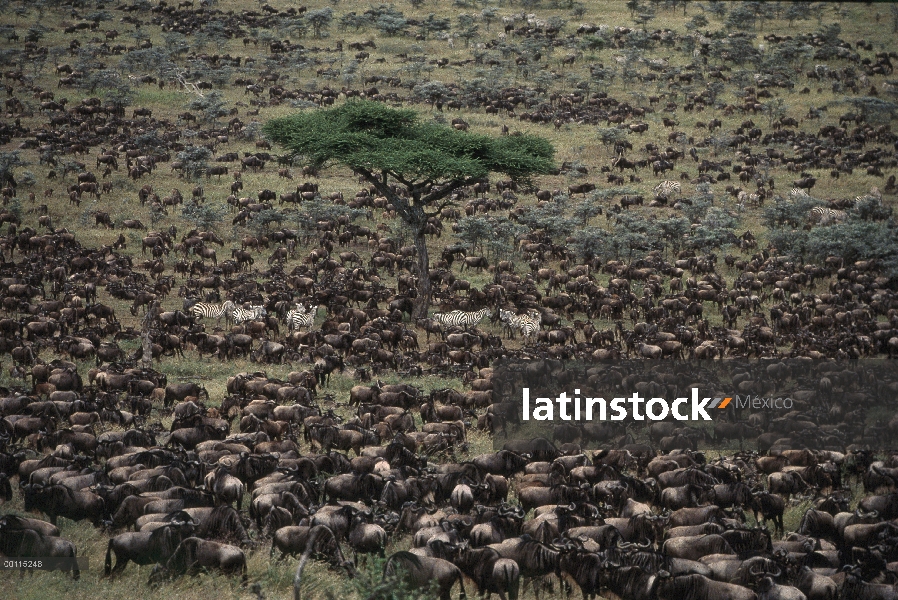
column 397, row 55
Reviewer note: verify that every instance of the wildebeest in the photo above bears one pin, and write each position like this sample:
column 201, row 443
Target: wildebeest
column 176, row 392
column 27, row 543
column 60, row 501
column 423, row 571
column 145, row 548
column 193, row 554
column 582, row 188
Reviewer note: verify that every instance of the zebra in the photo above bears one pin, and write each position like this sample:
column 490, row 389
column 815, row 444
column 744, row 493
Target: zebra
column 300, row 317
column 241, row 315
column 531, row 323
column 203, row 310
column 666, row 189
column 510, row 322
column 826, row 216
column 752, row 199
column 460, row 318
column 798, row 193
column 529, row 329
column 528, row 324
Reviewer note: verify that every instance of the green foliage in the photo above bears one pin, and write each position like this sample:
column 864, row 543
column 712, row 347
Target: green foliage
column 697, row 22
column 611, row 135
column 587, row 209
column 489, row 15
column 593, row 42
column 214, row 32
column 674, row 231
column 551, row 218
column 490, row 235
column 633, row 237
column 8, row 162
column 792, row 213
column 387, row 18
column 36, row 33
column 775, row 109
column 741, row 17
column 431, row 92
column 144, row 60
column 873, row 110
column 15, row 207
column 196, row 161
column 262, row 220
column 829, row 34
column 149, row 140
column 467, row 29
column 370, row 585
column 354, row 21
column 433, row 24
column 857, row 240
column 176, row 43
column 738, row 50
column 589, row 242
column 696, row 210
column 789, row 52
column 204, row 216
column 120, row 95
column 798, row 11
column 212, row 106
column 98, row 15
column 378, row 139
column 104, row 79
column 716, row 229
column 870, row 208
column 717, row 8
column 644, row 18
column 322, row 210
column 320, row 19
column 200, row 70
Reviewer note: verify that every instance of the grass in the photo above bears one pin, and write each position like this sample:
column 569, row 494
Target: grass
column 573, row 142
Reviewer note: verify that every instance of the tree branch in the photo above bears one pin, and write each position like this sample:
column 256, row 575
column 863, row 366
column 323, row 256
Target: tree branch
column 448, row 189
column 440, row 208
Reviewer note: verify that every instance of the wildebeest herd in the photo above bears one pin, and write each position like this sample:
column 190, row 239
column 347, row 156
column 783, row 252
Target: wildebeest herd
column 300, row 465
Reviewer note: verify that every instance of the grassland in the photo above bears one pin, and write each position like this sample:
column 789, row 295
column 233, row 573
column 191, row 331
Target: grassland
column 573, row 142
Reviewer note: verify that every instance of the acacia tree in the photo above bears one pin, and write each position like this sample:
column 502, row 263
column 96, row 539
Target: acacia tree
column 416, row 165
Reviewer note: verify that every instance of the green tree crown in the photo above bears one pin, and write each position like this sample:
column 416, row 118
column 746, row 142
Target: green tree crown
column 369, row 136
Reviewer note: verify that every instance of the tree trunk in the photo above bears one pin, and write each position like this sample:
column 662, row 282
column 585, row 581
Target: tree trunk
column 422, row 303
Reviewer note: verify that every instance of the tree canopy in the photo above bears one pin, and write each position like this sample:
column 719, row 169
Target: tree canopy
column 413, row 163
column 373, row 138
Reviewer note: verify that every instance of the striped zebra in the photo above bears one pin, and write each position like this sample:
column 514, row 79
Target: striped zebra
column 528, row 324
column 300, row 317
column 460, row 318
column 822, row 215
column 242, row 315
column 203, row 310
column 752, row 199
column 510, row 322
column 798, row 193
column 667, row 189
column 531, row 323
